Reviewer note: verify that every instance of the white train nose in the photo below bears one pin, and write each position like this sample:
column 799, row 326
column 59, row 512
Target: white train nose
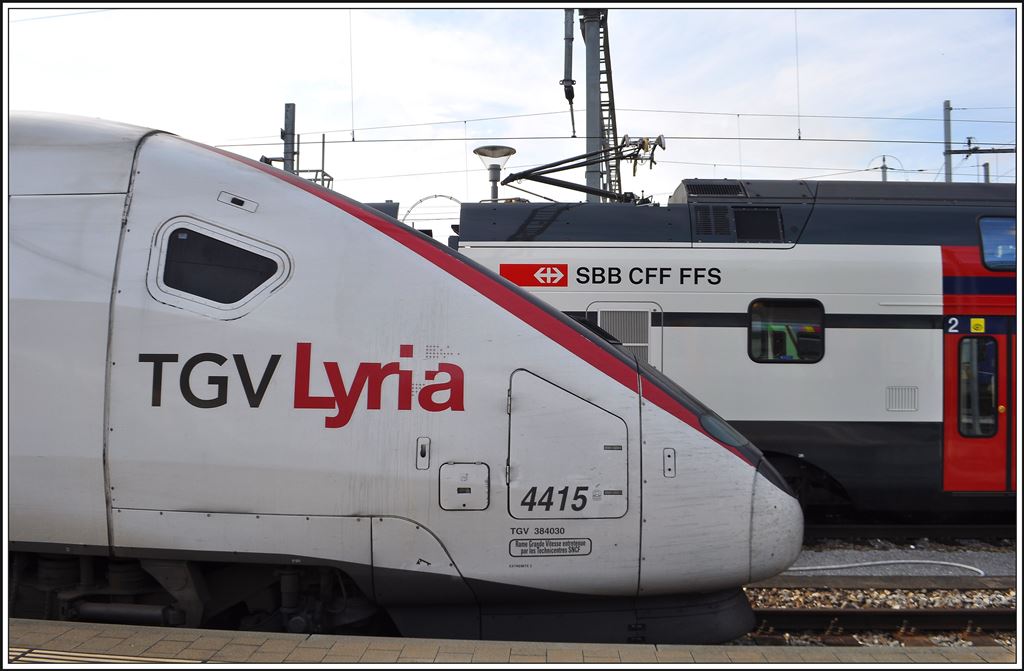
column 776, row 525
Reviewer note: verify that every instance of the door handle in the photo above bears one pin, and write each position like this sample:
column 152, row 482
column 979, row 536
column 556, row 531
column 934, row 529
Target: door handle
column 669, row 462
column 422, row 453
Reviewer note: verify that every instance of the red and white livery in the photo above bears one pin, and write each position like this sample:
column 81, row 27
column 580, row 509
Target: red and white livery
column 239, row 399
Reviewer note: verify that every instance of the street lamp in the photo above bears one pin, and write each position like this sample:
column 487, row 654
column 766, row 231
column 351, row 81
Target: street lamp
column 494, row 157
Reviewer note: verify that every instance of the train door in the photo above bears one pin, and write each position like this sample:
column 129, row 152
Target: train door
column 636, row 324
column 979, row 369
column 979, row 378
column 568, row 482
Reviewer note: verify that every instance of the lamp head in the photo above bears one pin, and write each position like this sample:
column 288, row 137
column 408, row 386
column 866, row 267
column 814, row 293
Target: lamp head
column 494, row 154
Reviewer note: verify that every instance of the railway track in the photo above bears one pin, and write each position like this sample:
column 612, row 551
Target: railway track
column 909, row 621
column 905, row 610
column 888, row 582
column 842, row 530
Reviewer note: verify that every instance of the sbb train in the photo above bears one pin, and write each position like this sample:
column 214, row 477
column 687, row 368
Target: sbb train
column 241, row 400
column 863, row 335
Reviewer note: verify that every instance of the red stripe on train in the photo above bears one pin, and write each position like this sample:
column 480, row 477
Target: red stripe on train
column 499, row 293
column 979, row 305
column 967, row 262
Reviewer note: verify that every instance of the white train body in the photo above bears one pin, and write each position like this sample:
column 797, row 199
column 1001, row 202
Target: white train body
column 216, row 361
column 861, row 334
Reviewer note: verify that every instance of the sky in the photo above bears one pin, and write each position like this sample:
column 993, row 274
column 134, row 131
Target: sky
column 402, row 95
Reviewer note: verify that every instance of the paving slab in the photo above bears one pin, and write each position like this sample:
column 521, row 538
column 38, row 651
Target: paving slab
column 266, row 658
column 339, row 659
column 302, row 655
column 210, row 642
column 997, row 655
column 54, row 642
column 79, row 635
column 420, row 650
column 33, row 639
column 854, row 656
column 373, row 656
column 234, row 653
column 747, row 656
column 569, row 656
column 249, row 638
column 195, row 653
column 458, row 646
column 776, row 654
column 961, row 656
column 98, row 644
column 485, row 654
column 679, row 654
column 343, row 647
column 386, row 643
column 183, row 635
column 279, row 645
column 165, row 648
column 891, row 655
column 635, row 654
column 603, row 649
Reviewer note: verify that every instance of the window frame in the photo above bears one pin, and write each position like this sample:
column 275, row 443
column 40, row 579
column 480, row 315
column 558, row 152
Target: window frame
column 960, row 387
column 206, row 306
column 981, row 242
column 783, row 302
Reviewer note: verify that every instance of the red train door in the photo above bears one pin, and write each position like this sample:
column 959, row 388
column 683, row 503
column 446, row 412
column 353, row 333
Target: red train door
column 979, row 366
column 978, row 425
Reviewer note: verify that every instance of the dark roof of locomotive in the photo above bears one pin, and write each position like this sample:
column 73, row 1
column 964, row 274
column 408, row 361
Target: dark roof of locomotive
column 731, row 190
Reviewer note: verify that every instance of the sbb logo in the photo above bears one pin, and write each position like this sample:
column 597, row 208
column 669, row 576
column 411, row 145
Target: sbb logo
column 536, row 274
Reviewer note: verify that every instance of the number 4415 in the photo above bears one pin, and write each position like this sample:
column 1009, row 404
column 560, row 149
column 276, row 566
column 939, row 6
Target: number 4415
column 547, row 498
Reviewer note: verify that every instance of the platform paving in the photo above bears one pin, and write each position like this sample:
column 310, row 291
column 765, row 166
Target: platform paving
column 40, row 641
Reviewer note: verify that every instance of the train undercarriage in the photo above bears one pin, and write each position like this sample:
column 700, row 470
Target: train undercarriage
column 217, row 595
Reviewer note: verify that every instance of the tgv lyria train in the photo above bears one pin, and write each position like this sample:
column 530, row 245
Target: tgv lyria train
column 863, row 335
column 238, row 399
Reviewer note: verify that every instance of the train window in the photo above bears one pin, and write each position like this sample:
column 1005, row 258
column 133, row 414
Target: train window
column 201, row 267
column 978, row 385
column 999, row 242
column 213, row 269
column 786, row 331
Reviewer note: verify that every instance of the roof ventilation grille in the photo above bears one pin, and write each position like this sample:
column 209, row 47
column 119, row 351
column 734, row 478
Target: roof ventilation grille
column 714, row 189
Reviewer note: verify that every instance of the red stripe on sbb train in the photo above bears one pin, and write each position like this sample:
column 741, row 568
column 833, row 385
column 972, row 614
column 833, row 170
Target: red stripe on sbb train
column 966, row 262
column 979, row 305
column 543, row 321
